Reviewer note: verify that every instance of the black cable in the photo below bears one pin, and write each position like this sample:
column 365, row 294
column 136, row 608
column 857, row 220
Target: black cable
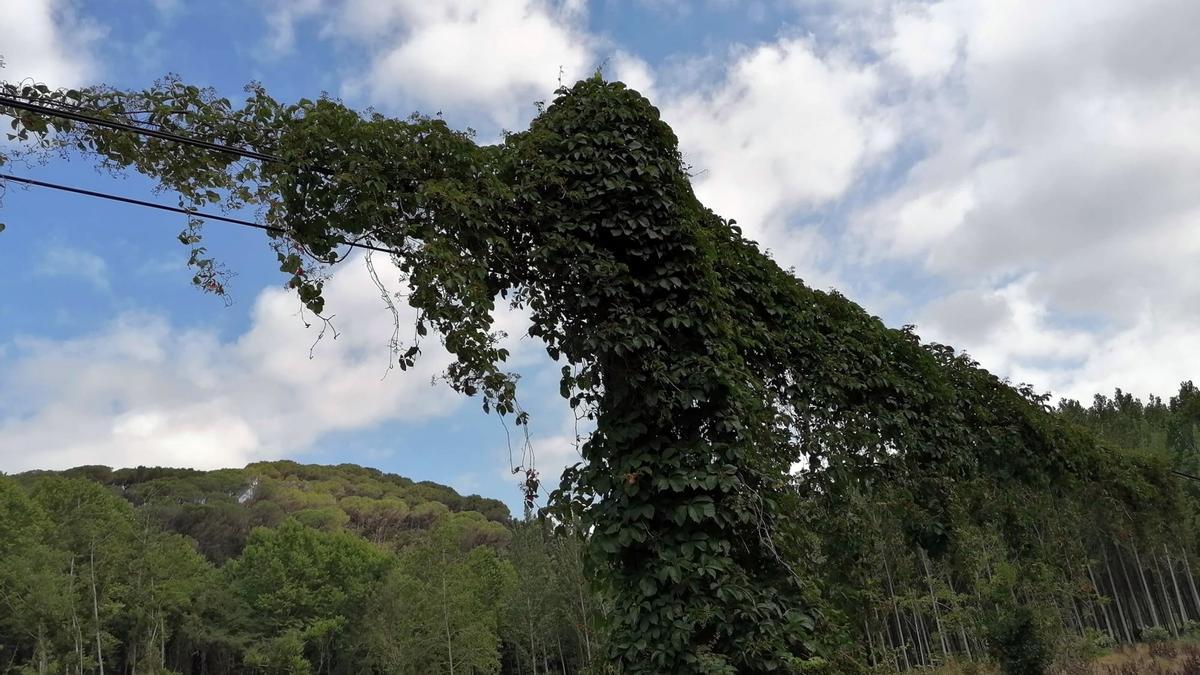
column 1185, row 475
column 124, row 126
column 172, row 209
column 62, row 105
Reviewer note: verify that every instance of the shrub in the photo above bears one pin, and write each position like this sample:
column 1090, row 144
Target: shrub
column 1020, row 642
column 1156, row 634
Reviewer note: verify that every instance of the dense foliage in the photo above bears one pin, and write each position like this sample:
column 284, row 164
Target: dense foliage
column 280, row 568
column 709, row 370
column 1027, row 572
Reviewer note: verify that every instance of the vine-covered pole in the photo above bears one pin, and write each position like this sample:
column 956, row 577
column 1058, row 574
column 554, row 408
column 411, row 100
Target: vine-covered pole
column 710, row 371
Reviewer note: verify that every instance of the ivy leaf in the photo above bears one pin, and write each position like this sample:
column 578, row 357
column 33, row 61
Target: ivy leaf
column 648, row 586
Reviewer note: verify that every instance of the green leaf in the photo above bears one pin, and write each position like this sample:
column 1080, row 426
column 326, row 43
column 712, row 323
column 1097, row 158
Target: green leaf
column 648, row 586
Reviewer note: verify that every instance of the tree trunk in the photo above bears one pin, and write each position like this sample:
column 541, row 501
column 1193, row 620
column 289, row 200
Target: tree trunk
column 96, row 609
column 1187, row 568
column 76, row 630
column 1176, row 625
column 937, row 616
column 562, row 660
column 1141, row 620
column 1175, row 583
column 1116, row 595
column 1145, row 586
column 1103, row 606
column 1079, row 619
column 922, row 641
column 962, row 631
column 43, row 657
column 896, row 610
column 446, row 616
column 532, row 645
column 587, row 629
column 162, row 641
column 870, row 640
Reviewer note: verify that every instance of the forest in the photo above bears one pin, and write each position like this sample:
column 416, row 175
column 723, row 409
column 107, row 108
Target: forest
column 282, row 567
column 939, row 514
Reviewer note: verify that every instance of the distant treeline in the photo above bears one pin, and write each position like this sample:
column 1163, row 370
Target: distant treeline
column 280, row 568
column 288, row 568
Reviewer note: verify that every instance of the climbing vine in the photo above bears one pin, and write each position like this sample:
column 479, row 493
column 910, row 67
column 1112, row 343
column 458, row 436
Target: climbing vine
column 709, row 370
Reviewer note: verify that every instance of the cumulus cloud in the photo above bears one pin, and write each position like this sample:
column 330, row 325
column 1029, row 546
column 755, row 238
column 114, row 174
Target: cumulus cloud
column 48, row 41
column 1027, row 168
column 785, row 128
column 1010, row 327
column 495, row 56
column 771, row 129
column 1058, row 145
column 634, row 72
column 142, row 391
column 1152, row 355
column 1014, row 333
column 923, row 41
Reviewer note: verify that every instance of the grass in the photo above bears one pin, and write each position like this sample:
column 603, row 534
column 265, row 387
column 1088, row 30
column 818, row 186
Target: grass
column 1159, row 658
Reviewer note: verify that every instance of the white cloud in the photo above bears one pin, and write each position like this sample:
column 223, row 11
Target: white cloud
column 1018, row 336
column 634, row 72
column 1151, row 356
column 141, row 391
column 1005, row 328
column 779, row 128
column 924, row 41
column 785, row 129
column 48, row 41
column 1032, row 164
column 494, row 56
column 66, row 261
column 1058, row 144
column 281, row 18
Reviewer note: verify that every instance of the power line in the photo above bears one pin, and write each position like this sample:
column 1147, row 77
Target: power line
column 63, row 105
column 133, row 128
column 1185, row 475
column 172, row 209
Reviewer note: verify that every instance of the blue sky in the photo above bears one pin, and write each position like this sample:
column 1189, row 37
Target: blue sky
column 1017, row 179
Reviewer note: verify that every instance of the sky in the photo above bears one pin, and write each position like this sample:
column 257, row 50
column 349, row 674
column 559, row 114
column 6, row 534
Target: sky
column 1017, row 179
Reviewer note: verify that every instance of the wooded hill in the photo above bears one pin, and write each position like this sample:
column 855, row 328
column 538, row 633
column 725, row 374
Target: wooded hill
column 289, row 568
column 278, row 568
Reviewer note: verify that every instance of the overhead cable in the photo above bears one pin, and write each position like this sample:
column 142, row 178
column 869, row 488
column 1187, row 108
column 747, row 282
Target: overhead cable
column 173, row 209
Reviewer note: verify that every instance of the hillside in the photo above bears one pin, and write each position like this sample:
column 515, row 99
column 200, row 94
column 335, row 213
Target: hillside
column 218, row 509
column 279, row 567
